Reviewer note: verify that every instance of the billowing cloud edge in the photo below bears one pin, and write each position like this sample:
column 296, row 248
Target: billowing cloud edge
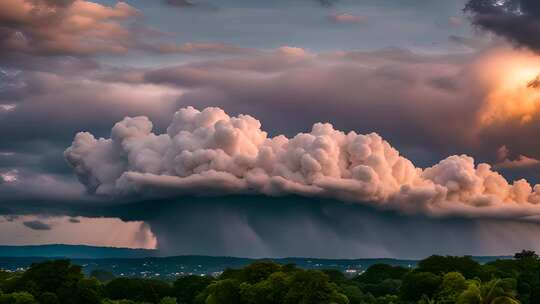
column 209, row 152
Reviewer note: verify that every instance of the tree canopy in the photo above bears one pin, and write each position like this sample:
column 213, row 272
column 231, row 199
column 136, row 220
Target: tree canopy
column 436, row 279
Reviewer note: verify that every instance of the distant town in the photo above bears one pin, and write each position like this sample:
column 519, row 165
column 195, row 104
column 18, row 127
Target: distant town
column 133, row 263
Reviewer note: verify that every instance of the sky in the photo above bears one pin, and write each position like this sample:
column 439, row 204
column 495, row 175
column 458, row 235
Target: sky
column 324, row 128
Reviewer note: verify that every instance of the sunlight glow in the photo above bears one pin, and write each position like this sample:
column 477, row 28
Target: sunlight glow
column 515, row 88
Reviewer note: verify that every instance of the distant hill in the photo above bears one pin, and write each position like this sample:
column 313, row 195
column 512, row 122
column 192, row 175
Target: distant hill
column 147, row 263
column 74, row 251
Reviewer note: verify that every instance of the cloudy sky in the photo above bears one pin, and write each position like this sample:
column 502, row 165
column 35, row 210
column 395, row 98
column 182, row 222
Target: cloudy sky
column 329, row 128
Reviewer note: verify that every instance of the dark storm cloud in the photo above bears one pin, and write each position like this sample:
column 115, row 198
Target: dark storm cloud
column 37, row 225
column 73, row 96
column 52, row 88
column 27, row 185
column 516, row 20
column 40, row 156
column 281, row 82
column 61, row 3
column 475, row 43
column 180, row 3
column 273, row 86
column 260, row 226
column 401, row 86
column 327, row 3
column 405, row 93
column 204, row 6
column 399, row 94
column 45, row 99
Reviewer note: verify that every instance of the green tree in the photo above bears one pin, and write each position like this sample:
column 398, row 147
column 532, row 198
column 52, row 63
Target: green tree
column 528, row 286
column 289, row 268
column 379, row 272
column 440, row 265
column 102, row 275
column 496, row 291
column 168, row 300
column 336, row 276
column 8, row 280
column 415, row 285
column 61, row 278
column 108, row 301
column 453, row 284
column 472, row 295
column 270, row 291
column 49, row 276
column 355, row 295
column 259, row 271
column 383, row 288
column 382, row 279
column 526, row 255
column 234, row 274
column 388, row 299
column 136, row 289
column 17, row 298
column 224, row 292
column 313, row 287
column 499, row 291
column 86, row 291
column 186, row 289
column 48, row 298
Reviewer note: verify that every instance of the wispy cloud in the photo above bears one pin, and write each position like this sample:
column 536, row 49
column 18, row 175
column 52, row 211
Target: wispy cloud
column 347, row 18
column 37, row 225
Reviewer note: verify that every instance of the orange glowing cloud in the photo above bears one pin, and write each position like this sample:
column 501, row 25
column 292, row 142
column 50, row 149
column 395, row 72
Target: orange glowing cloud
column 511, row 77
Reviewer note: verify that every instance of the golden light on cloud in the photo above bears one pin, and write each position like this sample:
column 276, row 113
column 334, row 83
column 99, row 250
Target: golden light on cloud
column 513, row 82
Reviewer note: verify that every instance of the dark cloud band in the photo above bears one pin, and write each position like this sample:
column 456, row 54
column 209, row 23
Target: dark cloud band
column 516, row 20
column 37, row 225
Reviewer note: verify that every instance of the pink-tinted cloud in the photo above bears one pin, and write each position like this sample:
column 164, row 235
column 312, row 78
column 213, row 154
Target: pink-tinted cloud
column 455, row 21
column 82, row 28
column 479, row 96
column 209, row 152
column 68, row 102
column 195, row 48
column 347, row 18
column 521, row 161
column 391, row 85
column 400, row 94
column 10, row 176
column 76, row 27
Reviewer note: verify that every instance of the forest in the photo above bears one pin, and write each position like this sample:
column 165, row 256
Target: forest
column 436, row 279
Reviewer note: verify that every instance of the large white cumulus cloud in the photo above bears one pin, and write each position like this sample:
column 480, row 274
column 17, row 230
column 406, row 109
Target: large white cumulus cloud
column 210, row 153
